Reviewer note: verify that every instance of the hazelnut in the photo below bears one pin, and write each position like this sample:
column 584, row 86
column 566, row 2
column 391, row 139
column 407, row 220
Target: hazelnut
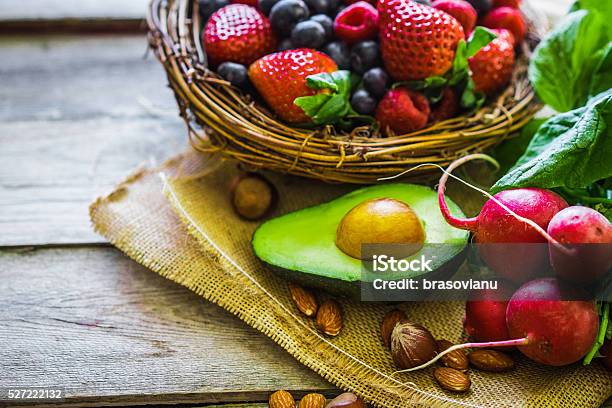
column 412, row 345
column 252, row 196
column 390, row 320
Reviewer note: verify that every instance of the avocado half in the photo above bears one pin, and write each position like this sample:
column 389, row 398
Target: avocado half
column 301, row 245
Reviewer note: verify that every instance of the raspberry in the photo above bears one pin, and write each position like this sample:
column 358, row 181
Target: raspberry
column 403, row 111
column 357, row 22
column 446, row 108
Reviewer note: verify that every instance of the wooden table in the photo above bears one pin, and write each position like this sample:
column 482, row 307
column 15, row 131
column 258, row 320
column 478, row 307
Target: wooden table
column 78, row 113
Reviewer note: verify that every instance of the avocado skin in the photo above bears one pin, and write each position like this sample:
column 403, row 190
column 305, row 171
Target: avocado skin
column 352, row 289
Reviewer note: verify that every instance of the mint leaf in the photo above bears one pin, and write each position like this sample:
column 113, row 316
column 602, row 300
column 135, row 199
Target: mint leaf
column 480, row 37
column 563, row 64
column 569, row 150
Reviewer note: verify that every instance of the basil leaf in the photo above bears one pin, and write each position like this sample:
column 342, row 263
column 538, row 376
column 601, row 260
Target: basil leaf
column 569, row 150
column 563, row 63
column 480, row 37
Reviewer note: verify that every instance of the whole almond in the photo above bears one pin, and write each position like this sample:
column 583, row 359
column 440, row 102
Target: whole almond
column 304, row 299
column 391, row 319
column 452, row 380
column 281, row 399
column 346, row 400
column 491, row 360
column 455, row 359
column 313, row 400
column 329, row 318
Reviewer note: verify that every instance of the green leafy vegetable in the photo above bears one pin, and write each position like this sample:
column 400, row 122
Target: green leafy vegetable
column 332, row 106
column 569, row 150
column 601, row 336
column 508, row 152
column 565, row 61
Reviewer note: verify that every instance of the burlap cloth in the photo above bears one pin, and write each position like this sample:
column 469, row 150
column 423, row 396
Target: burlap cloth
column 177, row 221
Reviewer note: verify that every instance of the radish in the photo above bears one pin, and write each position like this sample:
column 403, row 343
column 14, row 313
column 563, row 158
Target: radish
column 590, row 258
column 520, row 220
column 485, row 313
column 546, row 327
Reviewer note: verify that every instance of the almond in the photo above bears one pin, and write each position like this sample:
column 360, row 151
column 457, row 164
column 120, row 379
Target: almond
column 491, row 360
column 391, row 319
column 346, row 400
column 313, row 400
column 452, row 380
column 304, row 299
column 455, row 359
column 329, row 318
column 281, row 399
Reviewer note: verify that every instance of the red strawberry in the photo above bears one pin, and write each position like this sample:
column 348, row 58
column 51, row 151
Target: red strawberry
column 492, row 66
column 238, row 33
column 507, row 3
column 461, row 10
column 507, row 35
column 252, row 3
column 416, row 41
column 357, row 22
column 281, row 77
column 509, row 18
column 402, row 111
column 447, row 107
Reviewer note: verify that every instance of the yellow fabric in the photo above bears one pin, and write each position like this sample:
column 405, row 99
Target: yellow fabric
column 177, row 221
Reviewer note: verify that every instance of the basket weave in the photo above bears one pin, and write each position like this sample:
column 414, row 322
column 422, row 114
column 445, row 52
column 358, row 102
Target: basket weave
column 221, row 118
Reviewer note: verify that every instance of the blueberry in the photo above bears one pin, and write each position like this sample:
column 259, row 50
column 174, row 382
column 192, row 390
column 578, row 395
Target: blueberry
column 425, row 2
column 376, row 81
column 308, row 34
column 286, row 14
column 318, row 6
column 327, row 23
column 339, row 52
column 266, row 5
column 365, row 55
column 363, row 102
column 481, row 6
column 207, row 7
column 235, row 73
column 285, row 44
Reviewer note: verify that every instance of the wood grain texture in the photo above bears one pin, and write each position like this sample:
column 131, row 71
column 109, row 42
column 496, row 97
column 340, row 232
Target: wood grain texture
column 97, row 324
column 82, row 9
column 76, row 116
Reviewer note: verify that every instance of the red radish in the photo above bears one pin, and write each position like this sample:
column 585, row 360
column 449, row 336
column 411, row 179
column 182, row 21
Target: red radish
column 518, row 217
column 485, row 313
column 546, row 327
column 560, row 331
column 590, row 258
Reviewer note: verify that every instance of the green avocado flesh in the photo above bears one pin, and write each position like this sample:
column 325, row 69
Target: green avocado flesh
column 301, row 245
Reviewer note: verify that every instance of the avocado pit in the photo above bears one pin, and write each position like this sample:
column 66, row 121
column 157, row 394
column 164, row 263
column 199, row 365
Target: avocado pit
column 379, row 221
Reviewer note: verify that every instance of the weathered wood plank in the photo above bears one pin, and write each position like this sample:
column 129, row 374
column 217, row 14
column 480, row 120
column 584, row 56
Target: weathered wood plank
column 76, row 116
column 97, row 324
column 81, row 9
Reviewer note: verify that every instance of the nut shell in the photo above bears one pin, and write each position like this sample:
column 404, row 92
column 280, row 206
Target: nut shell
column 252, row 196
column 412, row 345
column 491, row 360
column 329, row 318
column 281, row 399
column 452, row 380
column 346, row 400
column 304, row 299
column 456, row 359
column 312, row 400
column 390, row 320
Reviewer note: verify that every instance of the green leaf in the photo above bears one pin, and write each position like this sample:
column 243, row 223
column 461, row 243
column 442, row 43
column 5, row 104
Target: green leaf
column 321, row 81
column 564, row 62
column 460, row 63
column 312, row 104
column 601, row 79
column 508, row 152
column 569, row 150
column 470, row 99
column 601, row 336
column 332, row 110
column 328, row 108
column 480, row 37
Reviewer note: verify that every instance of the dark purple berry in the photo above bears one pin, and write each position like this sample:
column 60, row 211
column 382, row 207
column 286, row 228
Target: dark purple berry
column 266, row 5
column 207, row 7
column 286, row 14
column 363, row 103
column 308, row 34
column 365, row 55
column 285, row 44
column 376, row 81
column 318, row 6
column 340, row 53
column 234, row 73
column 327, row 23
column 481, row 6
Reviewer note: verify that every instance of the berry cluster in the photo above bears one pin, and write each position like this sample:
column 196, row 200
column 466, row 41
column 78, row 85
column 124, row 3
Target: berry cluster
column 401, row 57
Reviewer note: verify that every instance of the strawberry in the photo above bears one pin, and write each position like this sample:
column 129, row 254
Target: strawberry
column 461, row 10
column 252, row 3
column 403, row 111
column 416, row 41
column 492, row 66
column 280, row 78
column 238, row 33
column 516, row 4
column 446, row 108
column 509, row 18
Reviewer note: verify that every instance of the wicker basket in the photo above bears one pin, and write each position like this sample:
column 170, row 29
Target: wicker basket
column 220, row 118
